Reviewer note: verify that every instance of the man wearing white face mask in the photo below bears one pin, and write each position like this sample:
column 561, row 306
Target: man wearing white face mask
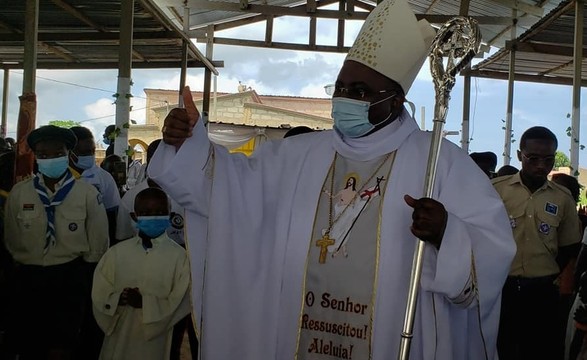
column 82, row 162
column 55, row 231
column 315, row 235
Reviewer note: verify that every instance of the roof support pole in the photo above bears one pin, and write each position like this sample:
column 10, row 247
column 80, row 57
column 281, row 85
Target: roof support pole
column 30, row 46
column 184, row 56
column 465, row 133
column 27, row 112
column 5, row 85
column 124, row 79
column 208, row 74
column 577, row 62
column 507, row 147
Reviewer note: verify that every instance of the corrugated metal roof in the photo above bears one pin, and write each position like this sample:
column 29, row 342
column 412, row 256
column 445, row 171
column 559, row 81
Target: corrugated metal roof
column 85, row 34
column 544, row 53
column 202, row 13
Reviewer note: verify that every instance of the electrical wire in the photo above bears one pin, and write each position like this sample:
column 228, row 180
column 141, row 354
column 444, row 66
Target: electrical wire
column 77, row 85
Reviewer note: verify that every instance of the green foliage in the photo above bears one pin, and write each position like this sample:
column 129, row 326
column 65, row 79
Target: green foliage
column 64, row 123
column 561, row 160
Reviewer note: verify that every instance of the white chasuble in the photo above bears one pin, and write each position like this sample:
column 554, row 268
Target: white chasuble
column 341, row 270
column 250, row 221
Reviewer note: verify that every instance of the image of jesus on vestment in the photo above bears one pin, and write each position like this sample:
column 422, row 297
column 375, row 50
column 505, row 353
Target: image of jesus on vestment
column 348, row 206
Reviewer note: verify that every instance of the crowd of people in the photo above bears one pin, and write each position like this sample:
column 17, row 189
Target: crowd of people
column 303, row 250
column 79, row 280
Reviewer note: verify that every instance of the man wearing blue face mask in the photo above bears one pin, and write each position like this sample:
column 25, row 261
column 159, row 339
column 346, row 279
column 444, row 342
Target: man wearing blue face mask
column 82, row 162
column 141, row 285
column 56, row 233
column 315, row 234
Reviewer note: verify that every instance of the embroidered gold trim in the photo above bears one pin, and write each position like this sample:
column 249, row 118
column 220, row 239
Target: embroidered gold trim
column 377, row 253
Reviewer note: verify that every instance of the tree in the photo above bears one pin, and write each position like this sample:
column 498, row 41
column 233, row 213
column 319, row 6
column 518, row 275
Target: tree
column 64, row 123
column 561, row 160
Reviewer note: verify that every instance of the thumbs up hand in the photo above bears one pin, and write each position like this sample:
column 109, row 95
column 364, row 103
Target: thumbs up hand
column 179, row 123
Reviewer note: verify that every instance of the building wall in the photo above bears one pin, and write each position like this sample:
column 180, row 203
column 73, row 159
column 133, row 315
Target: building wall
column 275, row 114
column 317, row 107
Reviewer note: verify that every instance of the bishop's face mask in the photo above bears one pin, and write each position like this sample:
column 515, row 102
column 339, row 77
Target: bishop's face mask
column 351, row 116
column 153, row 226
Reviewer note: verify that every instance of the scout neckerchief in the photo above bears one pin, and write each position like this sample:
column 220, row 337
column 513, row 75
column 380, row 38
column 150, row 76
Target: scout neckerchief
column 66, row 186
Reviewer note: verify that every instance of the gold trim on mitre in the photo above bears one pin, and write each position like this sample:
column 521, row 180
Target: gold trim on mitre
column 393, row 42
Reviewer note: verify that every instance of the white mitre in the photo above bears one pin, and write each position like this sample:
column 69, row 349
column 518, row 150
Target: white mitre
column 393, row 42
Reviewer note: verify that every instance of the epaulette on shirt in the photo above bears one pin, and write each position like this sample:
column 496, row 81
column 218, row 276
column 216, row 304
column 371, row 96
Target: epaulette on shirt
column 501, row 179
column 561, row 188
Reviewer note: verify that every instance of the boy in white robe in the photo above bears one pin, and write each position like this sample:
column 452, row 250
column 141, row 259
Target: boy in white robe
column 141, row 286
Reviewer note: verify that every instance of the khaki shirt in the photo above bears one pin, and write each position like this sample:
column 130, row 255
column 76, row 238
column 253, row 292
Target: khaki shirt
column 541, row 223
column 81, row 226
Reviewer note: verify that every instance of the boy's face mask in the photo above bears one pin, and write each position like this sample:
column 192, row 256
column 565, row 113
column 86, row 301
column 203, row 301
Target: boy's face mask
column 153, row 226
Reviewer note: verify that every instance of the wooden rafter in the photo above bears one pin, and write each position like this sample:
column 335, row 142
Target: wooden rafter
column 86, row 20
column 154, row 11
column 501, row 75
column 44, row 46
column 507, row 29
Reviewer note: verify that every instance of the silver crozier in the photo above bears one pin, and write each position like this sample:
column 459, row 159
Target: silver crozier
column 458, row 41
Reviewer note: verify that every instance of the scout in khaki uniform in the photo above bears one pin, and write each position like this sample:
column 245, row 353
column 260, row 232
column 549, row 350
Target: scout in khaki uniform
column 56, row 231
column 544, row 221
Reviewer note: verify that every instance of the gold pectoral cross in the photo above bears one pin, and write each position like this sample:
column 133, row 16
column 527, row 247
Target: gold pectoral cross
column 324, row 243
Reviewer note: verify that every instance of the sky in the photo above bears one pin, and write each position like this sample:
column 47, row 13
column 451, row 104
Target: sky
column 86, row 96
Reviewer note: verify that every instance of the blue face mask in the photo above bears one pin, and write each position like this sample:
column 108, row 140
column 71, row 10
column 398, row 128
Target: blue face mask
column 53, row 168
column 153, row 226
column 106, row 140
column 351, row 117
column 85, row 162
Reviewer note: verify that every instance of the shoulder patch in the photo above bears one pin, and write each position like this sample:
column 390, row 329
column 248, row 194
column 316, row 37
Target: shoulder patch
column 551, row 208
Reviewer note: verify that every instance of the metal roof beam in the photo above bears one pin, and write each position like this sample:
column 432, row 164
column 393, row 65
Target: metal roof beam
column 97, row 36
column 540, row 48
column 46, row 47
column 499, row 75
column 557, row 68
column 484, row 20
column 464, row 8
column 258, row 18
column 112, row 65
column 152, row 9
column 79, row 15
column 429, row 8
column 279, row 45
column 83, row 18
column 277, row 10
column 523, row 7
column 519, row 19
column 547, row 22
